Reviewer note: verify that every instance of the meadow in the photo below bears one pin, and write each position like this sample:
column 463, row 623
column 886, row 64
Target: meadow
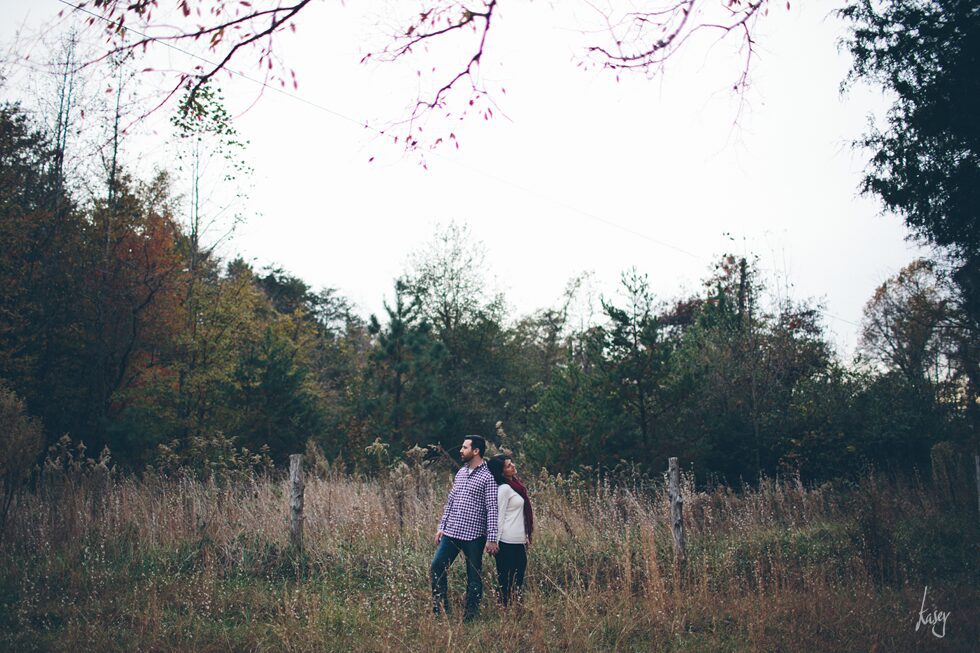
column 92, row 560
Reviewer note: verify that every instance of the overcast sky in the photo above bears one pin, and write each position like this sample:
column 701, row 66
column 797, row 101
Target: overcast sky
column 576, row 172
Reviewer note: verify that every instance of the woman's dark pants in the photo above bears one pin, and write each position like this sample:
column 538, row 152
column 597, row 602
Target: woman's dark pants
column 449, row 548
column 511, row 565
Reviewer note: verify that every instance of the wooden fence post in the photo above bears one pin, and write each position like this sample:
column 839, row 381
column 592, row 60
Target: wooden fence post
column 296, row 501
column 676, row 509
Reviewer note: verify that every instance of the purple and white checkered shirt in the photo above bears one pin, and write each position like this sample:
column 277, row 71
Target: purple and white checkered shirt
column 471, row 511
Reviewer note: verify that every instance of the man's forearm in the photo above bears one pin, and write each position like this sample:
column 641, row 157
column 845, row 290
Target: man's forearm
column 492, row 512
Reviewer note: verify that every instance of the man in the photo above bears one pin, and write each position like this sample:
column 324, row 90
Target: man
column 468, row 525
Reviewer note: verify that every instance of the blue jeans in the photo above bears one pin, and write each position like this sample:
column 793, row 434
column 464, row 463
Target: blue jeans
column 448, row 549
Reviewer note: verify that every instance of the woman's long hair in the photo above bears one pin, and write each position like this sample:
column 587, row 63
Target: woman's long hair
column 496, row 467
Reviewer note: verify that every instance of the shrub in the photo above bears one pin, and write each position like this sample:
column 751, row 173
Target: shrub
column 20, row 443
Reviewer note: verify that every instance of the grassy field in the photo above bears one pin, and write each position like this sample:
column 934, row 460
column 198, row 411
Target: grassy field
column 96, row 562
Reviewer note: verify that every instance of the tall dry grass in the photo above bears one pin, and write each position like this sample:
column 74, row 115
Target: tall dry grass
column 97, row 562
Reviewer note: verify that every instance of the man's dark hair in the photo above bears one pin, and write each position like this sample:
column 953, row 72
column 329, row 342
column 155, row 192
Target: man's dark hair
column 477, row 443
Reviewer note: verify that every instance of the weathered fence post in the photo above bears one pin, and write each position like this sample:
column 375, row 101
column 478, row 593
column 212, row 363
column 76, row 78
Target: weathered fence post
column 676, row 509
column 296, row 501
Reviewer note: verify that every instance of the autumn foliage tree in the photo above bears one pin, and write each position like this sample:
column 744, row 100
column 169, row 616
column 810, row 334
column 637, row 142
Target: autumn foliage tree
column 121, row 324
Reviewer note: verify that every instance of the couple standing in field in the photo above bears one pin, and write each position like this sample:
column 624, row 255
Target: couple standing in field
column 488, row 510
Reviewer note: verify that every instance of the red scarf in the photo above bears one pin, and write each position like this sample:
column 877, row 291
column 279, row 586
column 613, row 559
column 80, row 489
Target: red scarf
column 528, row 513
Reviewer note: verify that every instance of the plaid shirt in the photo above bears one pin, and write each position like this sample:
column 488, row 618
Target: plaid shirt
column 471, row 511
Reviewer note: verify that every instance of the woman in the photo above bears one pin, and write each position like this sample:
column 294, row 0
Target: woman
column 515, row 527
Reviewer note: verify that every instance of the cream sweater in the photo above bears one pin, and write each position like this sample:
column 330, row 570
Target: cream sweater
column 510, row 515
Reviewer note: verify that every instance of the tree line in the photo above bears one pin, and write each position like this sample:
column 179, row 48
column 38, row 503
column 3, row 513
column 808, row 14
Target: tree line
column 120, row 329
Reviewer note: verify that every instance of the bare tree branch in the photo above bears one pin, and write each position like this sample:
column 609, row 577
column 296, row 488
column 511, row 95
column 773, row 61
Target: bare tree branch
column 646, row 40
column 636, row 39
column 437, row 23
column 233, row 27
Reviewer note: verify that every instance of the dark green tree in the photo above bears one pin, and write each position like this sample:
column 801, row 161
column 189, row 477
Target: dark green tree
column 533, row 352
column 925, row 162
column 449, row 281
column 337, row 356
column 273, row 401
column 407, row 368
column 637, row 355
column 926, row 157
column 576, row 422
column 43, row 272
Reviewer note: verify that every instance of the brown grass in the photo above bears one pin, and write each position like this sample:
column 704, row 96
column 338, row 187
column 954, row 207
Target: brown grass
column 95, row 562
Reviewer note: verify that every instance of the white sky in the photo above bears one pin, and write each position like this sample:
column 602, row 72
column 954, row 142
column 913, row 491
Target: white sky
column 583, row 173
